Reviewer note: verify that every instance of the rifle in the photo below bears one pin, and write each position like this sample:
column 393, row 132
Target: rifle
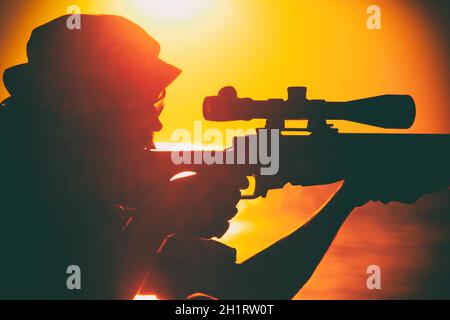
column 319, row 154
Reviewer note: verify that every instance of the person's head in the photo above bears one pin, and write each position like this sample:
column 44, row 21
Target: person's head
column 83, row 106
column 104, row 79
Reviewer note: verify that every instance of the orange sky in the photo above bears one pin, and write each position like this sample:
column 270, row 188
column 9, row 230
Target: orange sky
column 261, row 48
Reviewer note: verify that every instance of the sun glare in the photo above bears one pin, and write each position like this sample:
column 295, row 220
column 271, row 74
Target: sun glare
column 173, row 10
column 182, row 175
column 145, row 297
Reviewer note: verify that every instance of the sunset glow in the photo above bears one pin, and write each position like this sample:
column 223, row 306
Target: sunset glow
column 263, row 47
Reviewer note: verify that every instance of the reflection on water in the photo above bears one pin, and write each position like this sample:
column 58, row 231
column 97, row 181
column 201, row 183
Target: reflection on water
column 411, row 243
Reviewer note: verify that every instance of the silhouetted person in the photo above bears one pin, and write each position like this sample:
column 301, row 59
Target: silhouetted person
column 78, row 187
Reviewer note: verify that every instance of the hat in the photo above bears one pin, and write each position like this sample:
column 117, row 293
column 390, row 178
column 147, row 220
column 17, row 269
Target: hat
column 109, row 57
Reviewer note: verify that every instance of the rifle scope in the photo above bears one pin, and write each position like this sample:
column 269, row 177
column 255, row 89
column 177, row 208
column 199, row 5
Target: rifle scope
column 385, row 111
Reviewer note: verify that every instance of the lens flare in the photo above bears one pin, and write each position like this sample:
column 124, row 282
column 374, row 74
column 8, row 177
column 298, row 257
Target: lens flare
column 145, row 297
column 182, row 175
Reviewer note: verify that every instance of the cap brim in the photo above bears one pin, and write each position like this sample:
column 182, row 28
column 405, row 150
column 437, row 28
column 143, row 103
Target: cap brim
column 23, row 79
column 167, row 72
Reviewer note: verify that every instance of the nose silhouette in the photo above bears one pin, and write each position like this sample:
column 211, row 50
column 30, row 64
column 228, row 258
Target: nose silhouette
column 155, row 125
